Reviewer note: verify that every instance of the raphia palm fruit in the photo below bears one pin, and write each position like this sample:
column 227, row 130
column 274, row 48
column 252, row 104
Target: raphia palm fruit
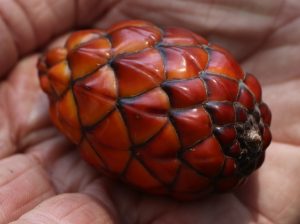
column 160, row 109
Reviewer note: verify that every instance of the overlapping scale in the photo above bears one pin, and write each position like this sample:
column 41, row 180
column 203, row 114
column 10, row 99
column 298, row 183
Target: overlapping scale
column 184, row 62
column 222, row 62
column 185, row 93
column 139, row 72
column 206, row 157
column 96, row 95
column 160, row 109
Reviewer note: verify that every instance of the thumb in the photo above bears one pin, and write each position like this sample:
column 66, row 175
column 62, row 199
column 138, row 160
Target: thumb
column 26, row 25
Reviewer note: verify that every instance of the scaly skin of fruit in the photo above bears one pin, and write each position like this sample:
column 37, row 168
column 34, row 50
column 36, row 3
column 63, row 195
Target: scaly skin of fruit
column 162, row 110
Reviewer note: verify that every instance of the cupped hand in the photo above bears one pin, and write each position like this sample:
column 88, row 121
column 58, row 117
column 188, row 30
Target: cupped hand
column 43, row 179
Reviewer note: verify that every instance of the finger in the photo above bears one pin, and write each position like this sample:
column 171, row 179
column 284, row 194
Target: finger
column 24, row 109
column 23, row 185
column 143, row 208
column 34, row 23
column 274, row 189
column 68, row 209
column 284, row 103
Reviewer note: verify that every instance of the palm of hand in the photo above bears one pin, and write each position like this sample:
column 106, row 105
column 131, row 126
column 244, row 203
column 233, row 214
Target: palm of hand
column 38, row 167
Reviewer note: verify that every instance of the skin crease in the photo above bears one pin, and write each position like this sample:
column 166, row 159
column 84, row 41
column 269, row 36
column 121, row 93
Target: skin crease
column 43, row 179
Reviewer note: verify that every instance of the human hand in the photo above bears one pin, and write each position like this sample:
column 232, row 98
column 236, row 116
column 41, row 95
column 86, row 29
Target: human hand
column 43, row 179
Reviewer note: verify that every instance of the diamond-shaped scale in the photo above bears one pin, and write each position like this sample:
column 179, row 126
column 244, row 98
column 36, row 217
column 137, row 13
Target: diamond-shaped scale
column 115, row 159
column 154, row 148
column 221, row 112
column 246, row 98
column 129, row 39
column 220, row 88
column 89, row 56
column 139, row 72
column 111, row 132
column 226, row 135
column 164, row 169
column 64, row 114
column 253, row 84
column 55, row 56
column 189, row 181
column 206, row 157
column 59, row 76
column 184, row 62
column 145, row 114
column 222, row 62
column 192, row 125
column 265, row 113
column 90, row 155
column 81, row 37
column 138, row 176
column 96, row 95
column 185, row 93
column 229, row 168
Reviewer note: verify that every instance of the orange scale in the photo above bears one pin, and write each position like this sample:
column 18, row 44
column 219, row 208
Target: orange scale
column 267, row 137
column 222, row 113
column 220, row 88
column 222, row 62
column 185, row 93
column 229, row 168
column 90, row 155
column 192, row 125
column 234, row 150
column 68, row 118
column 184, row 62
column 55, row 56
column 206, row 157
column 46, row 85
column 89, row 57
column 59, row 76
column 137, row 175
column 189, row 181
column 182, row 37
column 139, row 72
column 241, row 113
column 129, row 23
column 164, row 169
column 265, row 113
column 145, row 114
column 96, row 95
column 111, row 132
column 253, row 84
column 154, row 147
column 246, row 98
column 84, row 36
column 226, row 135
column 132, row 39
column 115, row 160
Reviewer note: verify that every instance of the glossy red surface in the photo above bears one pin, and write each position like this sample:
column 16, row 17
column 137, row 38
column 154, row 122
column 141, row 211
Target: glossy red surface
column 159, row 109
column 185, row 93
column 192, row 125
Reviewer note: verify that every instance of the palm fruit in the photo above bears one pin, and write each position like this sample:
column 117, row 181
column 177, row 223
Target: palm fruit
column 162, row 110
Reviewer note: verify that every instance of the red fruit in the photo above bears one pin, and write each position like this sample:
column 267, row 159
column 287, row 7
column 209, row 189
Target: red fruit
column 160, row 109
